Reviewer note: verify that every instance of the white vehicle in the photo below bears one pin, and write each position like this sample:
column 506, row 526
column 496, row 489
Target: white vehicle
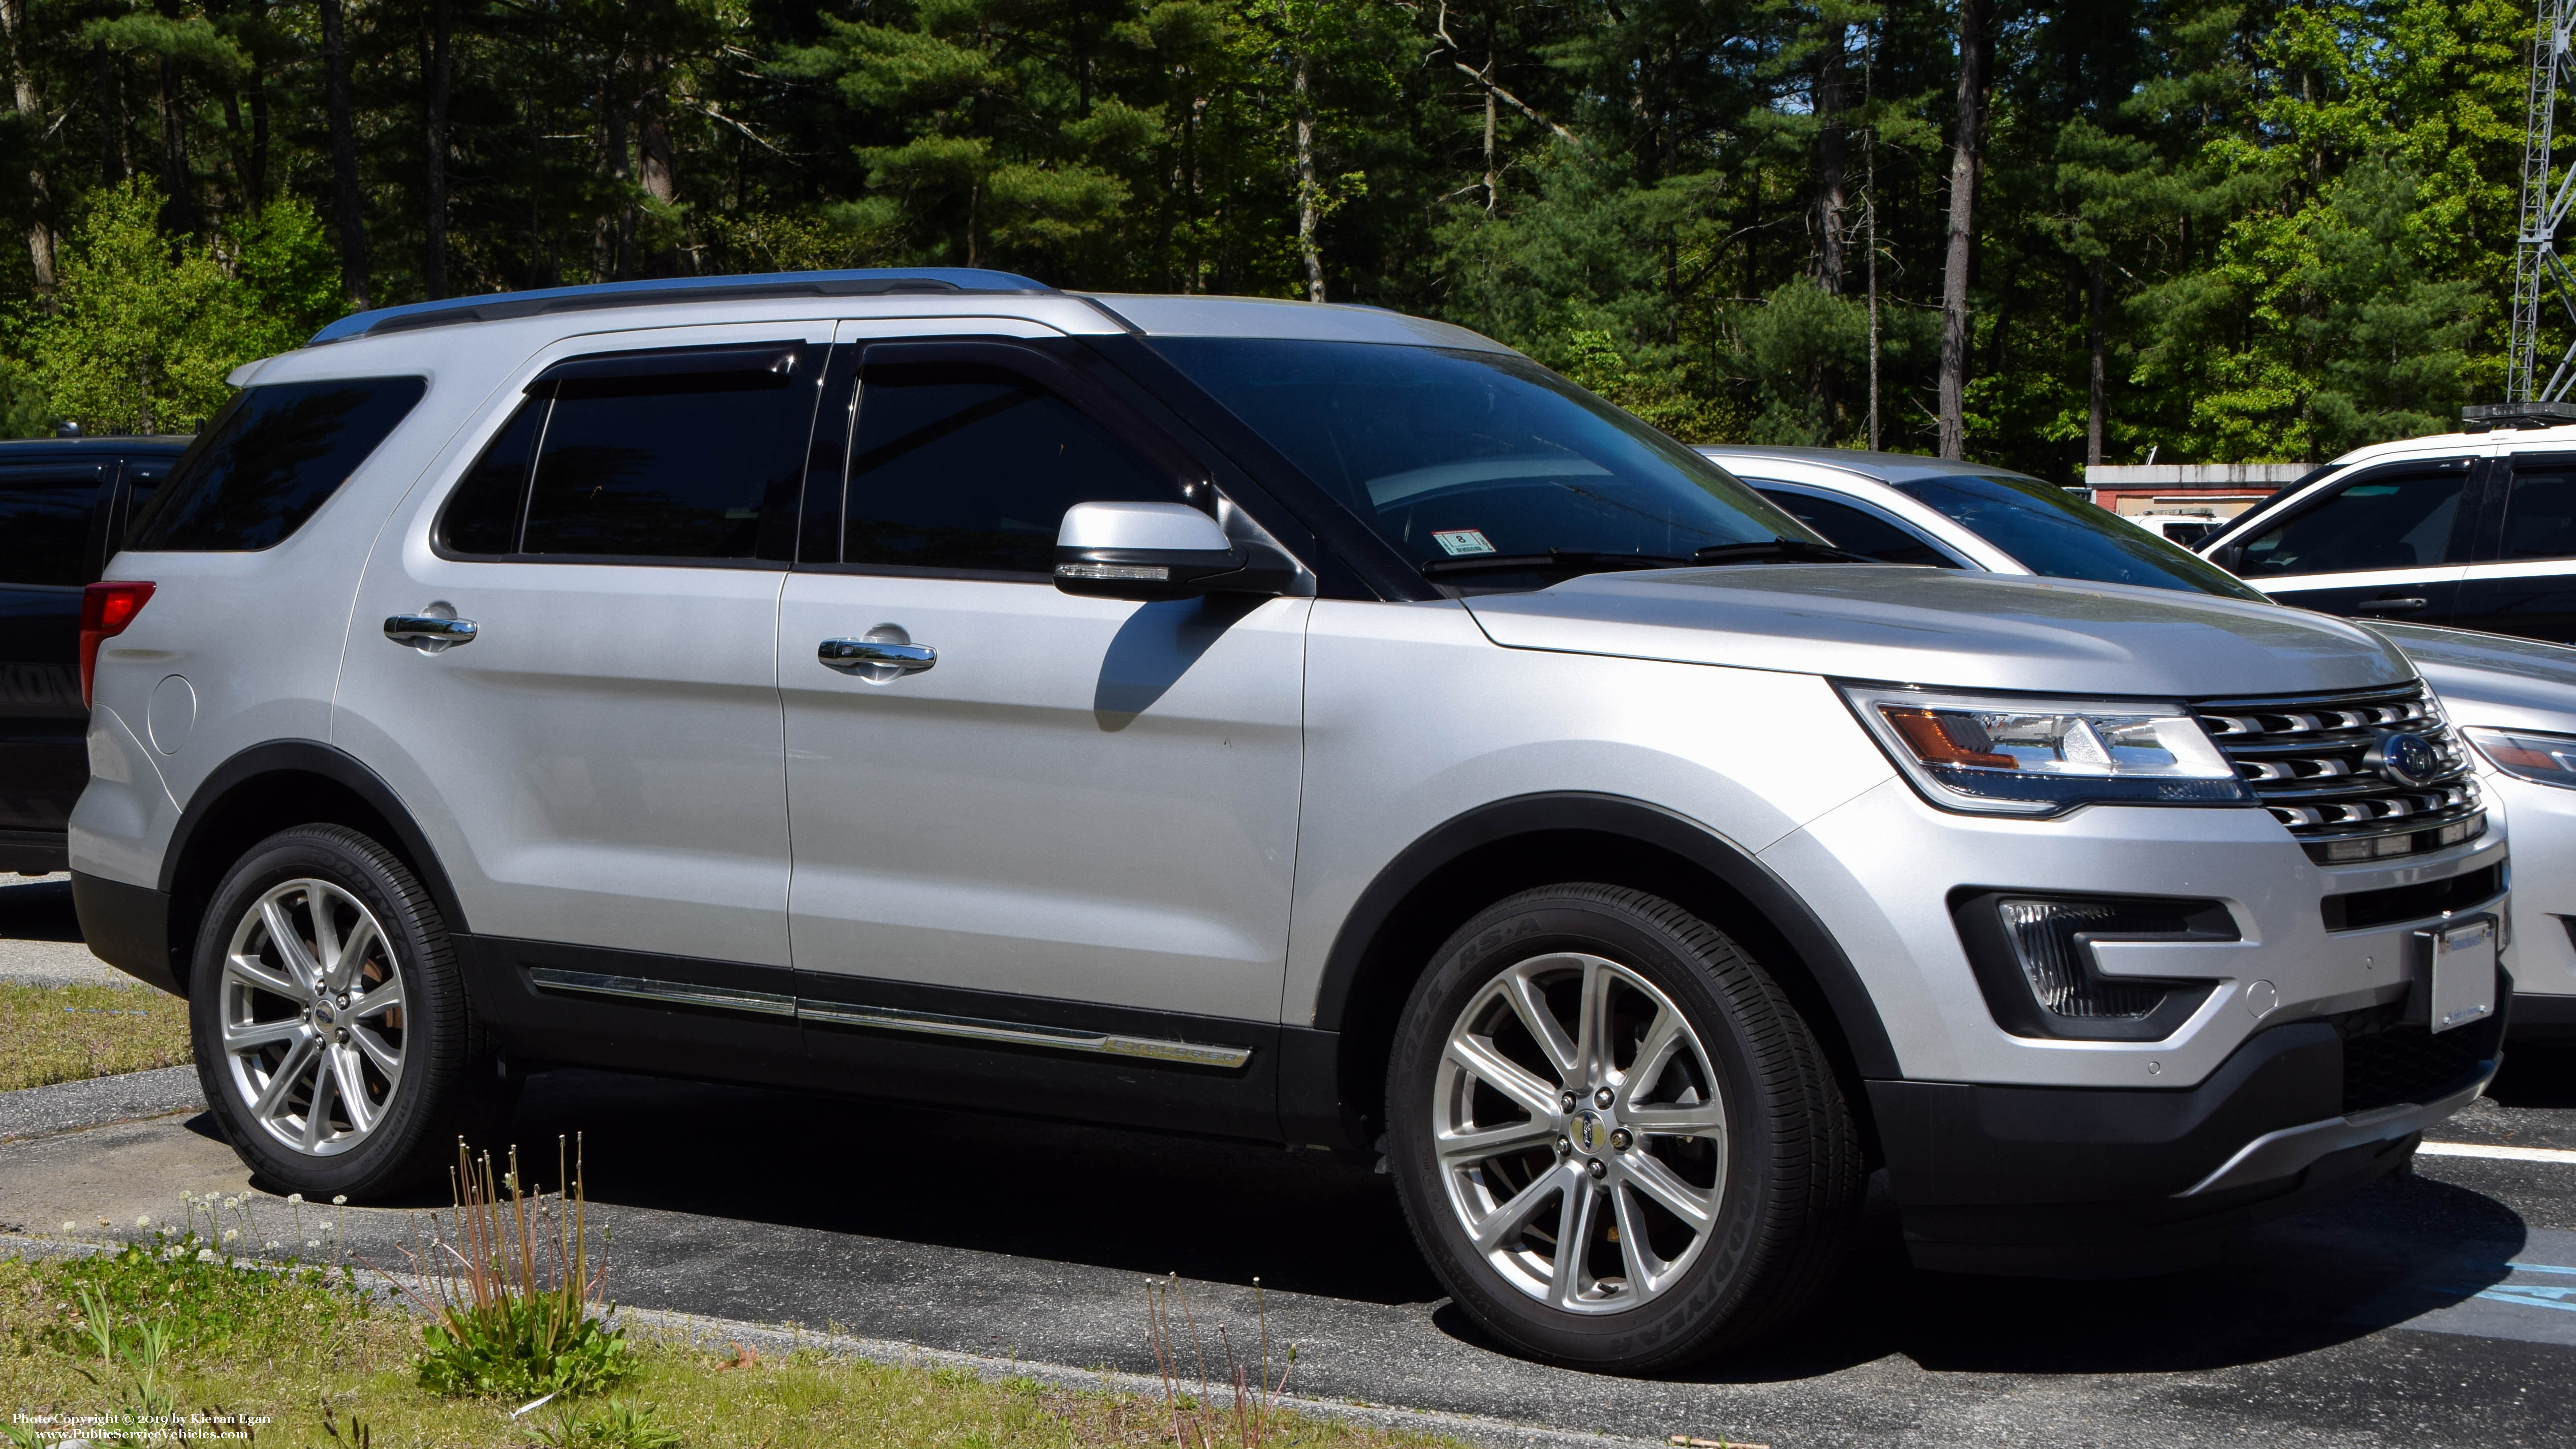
column 2184, row 529
column 2515, row 699
column 1300, row 723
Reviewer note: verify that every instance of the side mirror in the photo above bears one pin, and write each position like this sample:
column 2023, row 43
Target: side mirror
column 1149, row 551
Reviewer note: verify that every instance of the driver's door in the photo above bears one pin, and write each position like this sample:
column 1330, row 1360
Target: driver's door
column 1050, row 871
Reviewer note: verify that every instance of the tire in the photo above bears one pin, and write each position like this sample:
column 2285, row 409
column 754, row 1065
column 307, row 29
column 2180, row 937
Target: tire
column 1740, row 1123
column 392, row 1053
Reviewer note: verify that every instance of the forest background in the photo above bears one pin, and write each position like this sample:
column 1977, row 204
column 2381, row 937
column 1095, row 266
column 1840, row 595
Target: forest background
column 2259, row 230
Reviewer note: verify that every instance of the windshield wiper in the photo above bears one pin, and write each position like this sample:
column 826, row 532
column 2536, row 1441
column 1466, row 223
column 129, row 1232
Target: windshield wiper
column 1777, row 550
column 1555, row 560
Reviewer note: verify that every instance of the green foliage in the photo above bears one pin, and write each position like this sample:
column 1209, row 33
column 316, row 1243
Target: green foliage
column 617, row 1424
column 204, row 1302
column 146, row 330
column 520, row 1348
column 2298, row 214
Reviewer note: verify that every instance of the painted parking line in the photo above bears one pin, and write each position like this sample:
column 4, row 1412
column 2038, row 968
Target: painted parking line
column 2524, row 1291
column 2502, row 1154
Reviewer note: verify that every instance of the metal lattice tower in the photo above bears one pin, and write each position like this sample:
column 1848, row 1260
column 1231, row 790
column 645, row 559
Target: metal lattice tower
column 2537, row 267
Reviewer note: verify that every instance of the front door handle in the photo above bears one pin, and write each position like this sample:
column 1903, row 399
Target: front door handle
column 2406, row 605
column 877, row 658
column 428, row 632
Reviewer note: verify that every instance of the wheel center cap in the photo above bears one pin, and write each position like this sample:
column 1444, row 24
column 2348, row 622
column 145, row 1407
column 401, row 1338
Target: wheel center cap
column 1588, row 1131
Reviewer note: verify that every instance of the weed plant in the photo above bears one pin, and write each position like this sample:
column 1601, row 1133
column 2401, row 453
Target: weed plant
column 508, row 1285
column 1251, row 1416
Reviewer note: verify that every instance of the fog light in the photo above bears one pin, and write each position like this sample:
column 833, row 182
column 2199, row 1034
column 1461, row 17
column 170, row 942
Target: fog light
column 2057, row 965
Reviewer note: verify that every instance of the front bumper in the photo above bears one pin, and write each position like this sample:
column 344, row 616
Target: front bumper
column 2104, row 1182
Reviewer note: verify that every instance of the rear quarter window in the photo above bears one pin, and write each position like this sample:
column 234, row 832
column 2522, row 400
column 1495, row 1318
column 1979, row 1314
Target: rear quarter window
column 268, row 460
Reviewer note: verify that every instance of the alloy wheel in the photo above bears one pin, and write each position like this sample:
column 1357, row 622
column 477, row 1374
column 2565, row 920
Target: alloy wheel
column 313, row 1017
column 1581, row 1133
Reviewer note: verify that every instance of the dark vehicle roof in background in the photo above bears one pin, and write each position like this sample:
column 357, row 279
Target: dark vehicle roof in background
column 21, row 449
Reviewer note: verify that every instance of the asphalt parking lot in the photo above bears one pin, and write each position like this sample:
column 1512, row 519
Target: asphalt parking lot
column 2432, row 1309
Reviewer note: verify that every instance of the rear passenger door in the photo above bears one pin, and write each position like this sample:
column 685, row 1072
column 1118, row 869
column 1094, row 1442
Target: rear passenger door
column 2523, row 579
column 2388, row 543
column 1050, row 872
column 49, row 547
column 603, row 756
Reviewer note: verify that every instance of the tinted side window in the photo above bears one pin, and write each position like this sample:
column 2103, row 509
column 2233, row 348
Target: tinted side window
column 968, row 466
column 269, row 459
column 1858, row 530
column 2384, row 522
column 44, row 524
column 664, row 466
column 2540, row 515
column 143, row 479
column 482, row 516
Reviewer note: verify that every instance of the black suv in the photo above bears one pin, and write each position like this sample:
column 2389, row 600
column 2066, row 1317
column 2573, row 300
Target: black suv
column 63, row 507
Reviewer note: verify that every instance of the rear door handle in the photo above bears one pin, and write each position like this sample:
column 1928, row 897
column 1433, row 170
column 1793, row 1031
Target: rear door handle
column 878, row 657
column 428, row 631
column 2406, row 605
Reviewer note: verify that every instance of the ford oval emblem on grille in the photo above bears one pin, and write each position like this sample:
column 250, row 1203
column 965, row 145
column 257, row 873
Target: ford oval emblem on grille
column 2407, row 759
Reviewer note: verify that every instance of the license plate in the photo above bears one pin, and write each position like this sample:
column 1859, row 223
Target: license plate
column 2464, row 973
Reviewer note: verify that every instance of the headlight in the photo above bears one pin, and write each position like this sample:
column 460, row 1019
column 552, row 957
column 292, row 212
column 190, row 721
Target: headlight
column 2004, row 756
column 2541, row 759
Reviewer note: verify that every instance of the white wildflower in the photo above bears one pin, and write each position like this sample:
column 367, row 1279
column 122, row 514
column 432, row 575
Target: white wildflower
column 340, row 1200
column 272, row 1246
column 143, row 1222
column 231, row 1234
column 205, row 1255
column 313, row 1242
column 323, row 1226
column 295, row 1197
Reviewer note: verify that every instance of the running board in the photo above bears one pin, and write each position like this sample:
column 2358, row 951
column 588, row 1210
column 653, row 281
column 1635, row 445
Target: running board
column 886, row 1018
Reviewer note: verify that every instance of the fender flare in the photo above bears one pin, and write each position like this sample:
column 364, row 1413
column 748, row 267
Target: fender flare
column 311, row 757
column 1855, row 1014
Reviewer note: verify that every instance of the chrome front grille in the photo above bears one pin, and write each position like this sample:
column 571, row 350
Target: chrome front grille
column 2310, row 760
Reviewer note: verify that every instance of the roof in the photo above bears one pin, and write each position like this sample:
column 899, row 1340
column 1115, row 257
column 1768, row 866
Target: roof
column 1285, row 319
column 494, row 306
column 1885, row 467
column 111, row 443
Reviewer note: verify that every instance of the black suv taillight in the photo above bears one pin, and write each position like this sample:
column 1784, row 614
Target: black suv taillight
column 2033, row 955
column 105, row 611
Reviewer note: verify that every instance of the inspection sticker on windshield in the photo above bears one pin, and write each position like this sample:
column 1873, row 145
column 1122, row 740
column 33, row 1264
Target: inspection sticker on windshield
column 1462, row 540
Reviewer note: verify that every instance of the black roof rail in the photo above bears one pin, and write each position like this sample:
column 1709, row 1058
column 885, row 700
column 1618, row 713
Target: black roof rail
column 500, row 306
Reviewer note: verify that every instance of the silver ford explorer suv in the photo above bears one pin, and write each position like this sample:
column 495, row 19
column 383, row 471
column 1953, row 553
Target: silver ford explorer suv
column 1261, row 719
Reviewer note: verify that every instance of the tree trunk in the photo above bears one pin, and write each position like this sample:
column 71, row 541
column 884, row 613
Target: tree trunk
column 2094, row 411
column 258, row 178
column 1832, row 233
column 1975, row 57
column 40, row 231
column 434, row 259
column 1310, row 199
column 345, row 215
column 179, row 205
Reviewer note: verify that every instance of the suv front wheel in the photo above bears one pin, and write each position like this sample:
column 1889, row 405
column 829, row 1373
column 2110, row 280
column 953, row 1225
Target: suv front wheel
column 1616, row 1140
column 331, row 1030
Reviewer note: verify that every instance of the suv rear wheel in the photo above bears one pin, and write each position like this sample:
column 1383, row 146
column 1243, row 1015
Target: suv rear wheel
column 1616, row 1140
column 331, row 1029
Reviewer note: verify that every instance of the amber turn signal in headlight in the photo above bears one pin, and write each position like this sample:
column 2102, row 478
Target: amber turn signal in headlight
column 2041, row 756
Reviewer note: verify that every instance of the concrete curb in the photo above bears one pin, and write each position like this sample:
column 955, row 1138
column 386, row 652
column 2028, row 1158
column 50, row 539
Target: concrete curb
column 703, row 1332
column 700, row 1331
column 98, row 1101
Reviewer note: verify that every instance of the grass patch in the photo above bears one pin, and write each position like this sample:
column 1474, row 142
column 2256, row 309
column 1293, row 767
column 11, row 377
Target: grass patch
column 314, row 1366
column 52, row 1034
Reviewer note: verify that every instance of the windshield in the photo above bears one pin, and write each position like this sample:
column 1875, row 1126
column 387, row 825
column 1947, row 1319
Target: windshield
column 2064, row 538
column 1455, row 455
